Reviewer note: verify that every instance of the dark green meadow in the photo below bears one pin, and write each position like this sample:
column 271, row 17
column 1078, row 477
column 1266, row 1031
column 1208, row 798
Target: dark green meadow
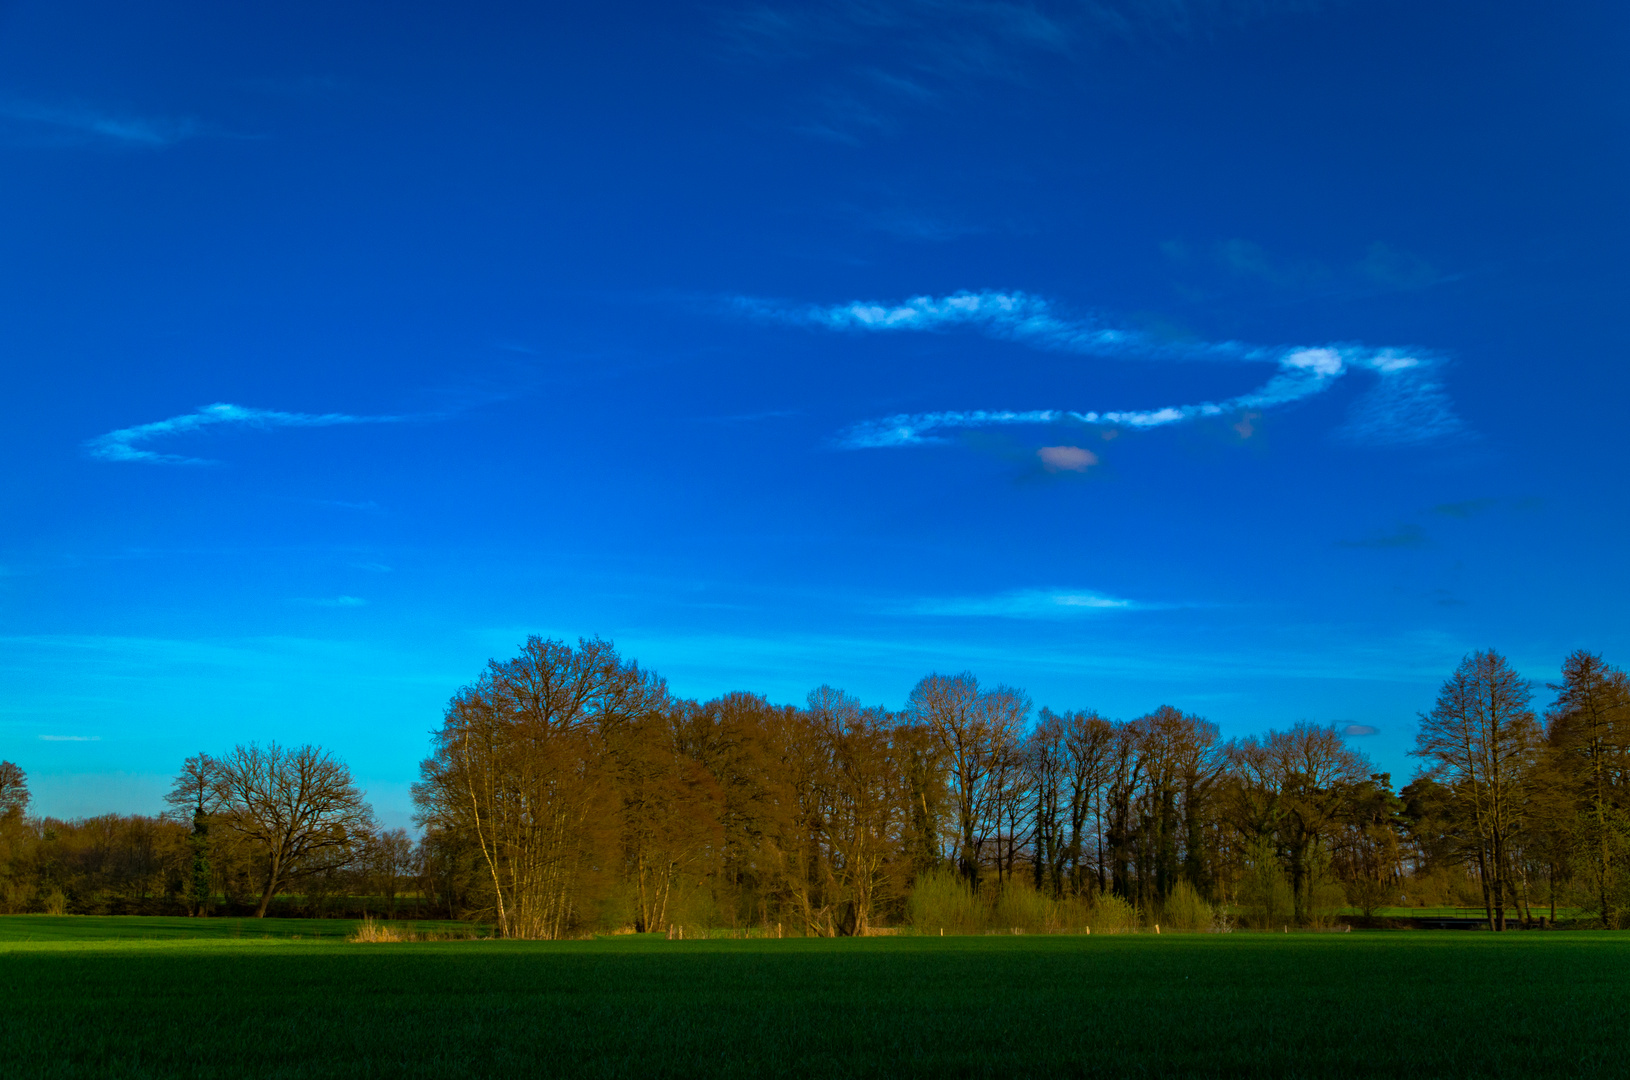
column 1381, row 1004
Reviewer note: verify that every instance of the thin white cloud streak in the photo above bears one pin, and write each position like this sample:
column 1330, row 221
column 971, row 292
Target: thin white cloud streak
column 1055, row 603
column 152, row 132
column 1407, row 405
column 127, row 444
column 70, row 738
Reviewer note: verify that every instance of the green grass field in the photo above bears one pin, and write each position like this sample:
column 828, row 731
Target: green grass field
column 121, row 1001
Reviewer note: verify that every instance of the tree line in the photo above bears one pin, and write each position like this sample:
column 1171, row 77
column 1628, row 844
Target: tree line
column 568, row 790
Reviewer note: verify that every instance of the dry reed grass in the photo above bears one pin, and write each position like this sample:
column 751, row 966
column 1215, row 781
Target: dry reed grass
column 371, row 932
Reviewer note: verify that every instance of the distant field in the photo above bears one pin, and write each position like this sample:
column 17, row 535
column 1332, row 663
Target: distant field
column 1280, row 1005
column 97, row 928
column 1512, row 914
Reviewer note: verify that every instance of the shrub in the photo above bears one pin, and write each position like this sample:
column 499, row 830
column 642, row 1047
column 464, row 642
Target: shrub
column 1071, row 914
column 940, row 900
column 1368, row 895
column 1264, row 895
column 1020, row 907
column 1327, row 901
column 691, row 904
column 1112, row 915
column 1185, row 910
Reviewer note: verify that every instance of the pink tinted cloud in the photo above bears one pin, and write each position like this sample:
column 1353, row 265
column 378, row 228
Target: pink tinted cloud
column 1066, row 458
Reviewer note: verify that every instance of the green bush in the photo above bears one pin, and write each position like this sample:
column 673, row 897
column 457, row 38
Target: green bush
column 1328, row 900
column 941, row 901
column 693, row 906
column 1185, row 910
column 1071, row 914
column 1265, row 898
column 1112, row 915
column 1020, row 907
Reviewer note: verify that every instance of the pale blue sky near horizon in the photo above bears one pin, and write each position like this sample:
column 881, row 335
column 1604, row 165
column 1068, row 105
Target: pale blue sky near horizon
column 1258, row 358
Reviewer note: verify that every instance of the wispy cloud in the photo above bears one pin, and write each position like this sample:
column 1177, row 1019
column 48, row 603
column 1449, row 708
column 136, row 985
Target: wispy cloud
column 82, row 124
column 1360, row 730
column 1465, row 508
column 335, row 602
column 1383, row 268
column 911, row 225
column 873, row 58
column 128, row 444
column 938, row 38
column 1407, row 404
column 70, row 738
column 748, row 418
column 1405, row 536
column 366, row 505
column 1185, row 18
column 1245, row 259
column 1396, row 269
column 1056, row 603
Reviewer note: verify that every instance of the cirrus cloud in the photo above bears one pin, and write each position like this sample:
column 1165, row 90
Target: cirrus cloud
column 1054, row 603
column 128, row 444
column 81, row 124
column 1406, row 404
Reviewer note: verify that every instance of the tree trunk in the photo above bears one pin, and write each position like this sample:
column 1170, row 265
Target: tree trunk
column 266, row 895
column 1483, row 879
column 1499, row 885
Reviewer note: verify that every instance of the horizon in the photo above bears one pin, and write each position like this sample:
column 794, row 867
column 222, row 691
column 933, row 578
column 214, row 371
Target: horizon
column 1260, row 360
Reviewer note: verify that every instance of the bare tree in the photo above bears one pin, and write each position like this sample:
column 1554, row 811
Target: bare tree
column 13, row 790
column 1317, row 774
column 196, row 788
column 195, row 797
column 1481, row 739
column 297, row 808
column 867, row 801
column 1589, row 732
column 1047, row 760
column 395, row 860
column 975, row 730
column 1088, row 738
column 1125, row 776
column 670, row 810
column 520, row 768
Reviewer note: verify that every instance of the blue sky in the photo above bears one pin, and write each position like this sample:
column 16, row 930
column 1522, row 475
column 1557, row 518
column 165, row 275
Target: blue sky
column 1255, row 358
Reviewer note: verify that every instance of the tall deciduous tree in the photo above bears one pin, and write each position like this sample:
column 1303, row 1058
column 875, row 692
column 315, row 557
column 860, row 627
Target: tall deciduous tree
column 868, row 793
column 670, row 808
column 1318, row 775
column 13, row 790
column 1589, row 734
column 1481, row 739
column 976, row 730
column 520, row 768
column 298, row 808
column 194, row 797
column 1087, row 740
